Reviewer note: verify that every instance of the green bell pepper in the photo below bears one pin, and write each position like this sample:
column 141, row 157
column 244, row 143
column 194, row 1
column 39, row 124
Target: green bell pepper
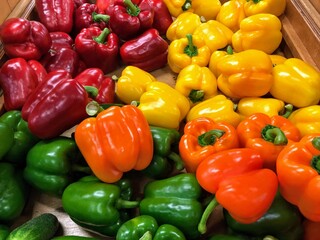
column 4, row 232
column 53, row 164
column 282, row 221
column 18, row 138
column 165, row 159
column 97, row 206
column 145, row 227
column 13, row 193
column 175, row 201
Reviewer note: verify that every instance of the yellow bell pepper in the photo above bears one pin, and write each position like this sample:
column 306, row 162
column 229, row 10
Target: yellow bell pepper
column 275, row 7
column 245, row 74
column 185, row 51
column 231, row 14
column 306, row 119
column 215, row 34
column 196, row 83
column 277, row 59
column 215, row 57
column 176, row 7
column 132, row 84
column 296, row 82
column 163, row 106
column 261, row 31
column 219, row 108
column 184, row 24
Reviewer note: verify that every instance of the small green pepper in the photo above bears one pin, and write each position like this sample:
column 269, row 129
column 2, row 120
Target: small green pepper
column 4, row 232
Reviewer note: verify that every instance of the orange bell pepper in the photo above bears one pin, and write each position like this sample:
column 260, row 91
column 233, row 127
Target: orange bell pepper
column 116, row 141
column 202, row 137
column 298, row 167
column 311, row 230
column 268, row 135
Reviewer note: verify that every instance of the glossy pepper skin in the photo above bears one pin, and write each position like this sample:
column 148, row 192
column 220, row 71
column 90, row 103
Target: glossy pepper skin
column 51, row 165
column 61, row 40
column 163, row 106
column 282, row 221
column 237, row 179
column 56, row 15
column 146, row 227
column 97, row 206
column 300, row 81
column 13, row 193
column 4, row 231
column 98, row 48
column 276, row 8
column 260, row 31
column 298, row 173
column 24, row 38
column 202, row 137
column 177, row 7
column 268, row 135
column 116, row 141
column 148, row 51
column 174, row 200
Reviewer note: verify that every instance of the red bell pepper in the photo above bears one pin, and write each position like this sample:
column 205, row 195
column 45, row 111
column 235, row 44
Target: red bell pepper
column 240, row 184
column 148, row 51
column 89, row 15
column 39, row 69
column 23, row 38
column 56, row 15
column 128, row 19
column 78, row 3
column 61, row 40
column 104, row 5
column 98, row 48
column 17, row 80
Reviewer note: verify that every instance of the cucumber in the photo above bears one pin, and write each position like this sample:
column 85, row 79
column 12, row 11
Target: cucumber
column 42, row 227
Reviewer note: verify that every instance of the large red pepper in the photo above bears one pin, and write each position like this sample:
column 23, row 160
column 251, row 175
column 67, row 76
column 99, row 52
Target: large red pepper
column 128, row 19
column 18, row 79
column 61, row 40
column 23, row 38
column 98, row 48
column 148, row 51
column 56, row 15
column 39, row 69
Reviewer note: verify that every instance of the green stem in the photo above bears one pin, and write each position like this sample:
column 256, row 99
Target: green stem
column 92, row 91
column 191, row 50
column 274, row 134
column 315, row 161
column 287, row 110
column 229, row 50
column 187, row 5
column 316, row 143
column 177, row 160
column 97, row 17
column 132, row 9
column 210, row 137
column 202, row 226
column 256, row 1
column 135, row 103
column 79, row 168
column 102, row 37
column 93, row 108
column 121, row 203
column 196, row 95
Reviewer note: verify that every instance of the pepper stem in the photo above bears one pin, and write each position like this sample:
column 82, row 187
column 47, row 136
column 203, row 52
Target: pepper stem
column 196, row 95
column 316, row 143
column 92, row 91
column 274, row 134
column 187, row 5
column 93, row 108
column 315, row 162
column 191, row 50
column 146, row 236
column 121, row 203
column 97, row 17
column 229, row 50
column 132, row 9
column 177, row 160
column 202, row 226
column 287, row 110
column 79, row 168
column 102, row 37
column 210, row 137
column 256, row 1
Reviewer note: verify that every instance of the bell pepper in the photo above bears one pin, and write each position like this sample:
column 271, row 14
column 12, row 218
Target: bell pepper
column 88, row 15
column 61, row 40
column 148, row 51
column 97, row 206
column 103, row 5
column 239, row 183
column 23, row 139
column 230, row 236
column 175, row 201
column 277, row 59
column 13, row 193
column 184, row 24
column 51, row 165
column 311, row 229
column 101, row 141
column 231, row 14
column 196, row 83
column 59, row 100
column 216, row 57
column 145, row 227
column 163, row 106
column 7, row 139
column 128, row 20
column 191, row 49
column 56, row 15
column 23, row 38
column 276, row 8
column 260, row 31
column 296, row 82
column 4, row 231
column 306, row 119
column 269, row 106
column 132, row 84
column 282, row 221
column 177, row 7
column 165, row 157
column 98, row 48
column 215, row 34
column 202, row 137
column 298, row 173
column 219, row 108
column 245, row 74
column 39, row 69
column 268, row 135
column 17, row 81
column 100, row 87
